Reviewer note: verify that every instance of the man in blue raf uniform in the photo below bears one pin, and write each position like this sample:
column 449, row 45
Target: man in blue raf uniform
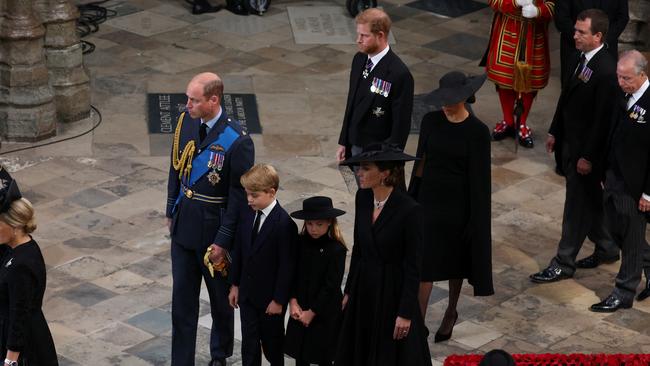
column 204, row 195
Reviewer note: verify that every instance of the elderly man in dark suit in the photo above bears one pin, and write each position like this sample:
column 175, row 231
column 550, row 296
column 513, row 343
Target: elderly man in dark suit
column 380, row 97
column 566, row 13
column 627, row 181
column 204, row 196
column 578, row 135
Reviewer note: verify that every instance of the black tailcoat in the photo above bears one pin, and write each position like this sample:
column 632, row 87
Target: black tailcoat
column 631, row 147
column 566, row 13
column 584, row 113
column 371, row 117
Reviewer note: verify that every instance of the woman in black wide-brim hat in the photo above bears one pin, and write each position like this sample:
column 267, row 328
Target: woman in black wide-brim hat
column 25, row 337
column 382, row 324
column 452, row 183
column 315, row 298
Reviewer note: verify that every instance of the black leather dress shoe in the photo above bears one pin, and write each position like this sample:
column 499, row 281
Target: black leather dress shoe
column 645, row 293
column 594, row 261
column 610, row 305
column 236, row 7
column 202, row 7
column 217, row 362
column 550, row 274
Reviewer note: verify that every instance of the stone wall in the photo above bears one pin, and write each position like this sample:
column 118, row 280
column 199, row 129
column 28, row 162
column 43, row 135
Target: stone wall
column 637, row 32
column 42, row 79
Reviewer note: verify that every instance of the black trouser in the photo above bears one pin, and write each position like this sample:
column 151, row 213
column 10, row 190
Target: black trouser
column 187, row 272
column 583, row 216
column 261, row 330
column 627, row 225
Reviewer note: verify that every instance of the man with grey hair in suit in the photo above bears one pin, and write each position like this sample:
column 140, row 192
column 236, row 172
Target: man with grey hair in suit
column 627, row 181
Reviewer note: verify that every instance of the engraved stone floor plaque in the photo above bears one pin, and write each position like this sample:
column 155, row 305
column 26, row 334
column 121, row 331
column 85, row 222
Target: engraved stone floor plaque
column 323, row 25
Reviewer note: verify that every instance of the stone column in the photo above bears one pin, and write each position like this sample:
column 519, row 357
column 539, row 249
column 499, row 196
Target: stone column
column 28, row 105
column 637, row 32
column 68, row 78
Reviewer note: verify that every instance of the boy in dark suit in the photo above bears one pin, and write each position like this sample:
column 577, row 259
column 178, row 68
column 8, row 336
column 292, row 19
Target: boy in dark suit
column 262, row 266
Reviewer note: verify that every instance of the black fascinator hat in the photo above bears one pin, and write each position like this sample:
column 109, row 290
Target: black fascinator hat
column 9, row 191
column 379, row 152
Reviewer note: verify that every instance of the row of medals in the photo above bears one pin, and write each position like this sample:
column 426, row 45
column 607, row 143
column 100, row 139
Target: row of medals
column 380, row 87
column 216, row 164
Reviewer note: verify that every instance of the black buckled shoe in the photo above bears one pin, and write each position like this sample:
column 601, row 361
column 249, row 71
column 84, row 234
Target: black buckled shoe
column 526, row 137
column 550, row 274
column 594, row 261
column 645, row 293
column 502, row 130
column 610, row 305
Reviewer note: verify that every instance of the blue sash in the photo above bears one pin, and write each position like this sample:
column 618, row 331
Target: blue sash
column 200, row 162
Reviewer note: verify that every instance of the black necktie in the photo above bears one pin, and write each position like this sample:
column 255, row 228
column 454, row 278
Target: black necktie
column 203, row 131
column 581, row 64
column 256, row 225
column 368, row 68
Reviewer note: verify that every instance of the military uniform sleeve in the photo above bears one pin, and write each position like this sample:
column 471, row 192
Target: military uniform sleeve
column 241, row 159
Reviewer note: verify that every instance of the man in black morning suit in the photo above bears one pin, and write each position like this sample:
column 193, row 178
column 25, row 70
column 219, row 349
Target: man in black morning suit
column 578, row 135
column 566, row 13
column 627, row 181
column 210, row 153
column 380, row 95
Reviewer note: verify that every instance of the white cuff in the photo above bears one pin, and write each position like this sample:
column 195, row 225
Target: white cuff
column 645, row 197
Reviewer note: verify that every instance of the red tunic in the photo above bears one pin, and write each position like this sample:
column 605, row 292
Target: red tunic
column 507, row 26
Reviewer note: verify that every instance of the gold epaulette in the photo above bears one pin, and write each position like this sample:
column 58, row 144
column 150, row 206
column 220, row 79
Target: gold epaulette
column 183, row 163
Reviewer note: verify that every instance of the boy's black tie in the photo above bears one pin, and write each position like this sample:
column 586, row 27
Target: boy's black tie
column 256, row 225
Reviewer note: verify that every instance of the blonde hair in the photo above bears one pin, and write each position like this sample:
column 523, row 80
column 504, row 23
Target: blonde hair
column 260, row 178
column 334, row 231
column 20, row 215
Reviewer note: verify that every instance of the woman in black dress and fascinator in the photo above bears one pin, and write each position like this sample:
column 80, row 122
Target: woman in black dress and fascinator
column 451, row 181
column 382, row 323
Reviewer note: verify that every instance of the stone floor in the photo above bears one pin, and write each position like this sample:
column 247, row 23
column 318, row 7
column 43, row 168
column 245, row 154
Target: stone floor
column 100, row 198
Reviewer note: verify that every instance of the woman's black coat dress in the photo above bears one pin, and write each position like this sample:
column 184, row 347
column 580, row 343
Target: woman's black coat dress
column 317, row 287
column 455, row 193
column 23, row 326
column 383, row 284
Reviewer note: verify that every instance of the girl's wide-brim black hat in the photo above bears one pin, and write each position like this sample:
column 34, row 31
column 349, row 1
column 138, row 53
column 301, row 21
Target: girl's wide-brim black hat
column 9, row 191
column 455, row 87
column 379, row 152
column 317, row 208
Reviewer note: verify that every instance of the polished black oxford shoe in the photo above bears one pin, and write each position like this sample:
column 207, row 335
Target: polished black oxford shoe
column 594, row 261
column 217, row 362
column 202, row 7
column 550, row 274
column 645, row 293
column 610, row 305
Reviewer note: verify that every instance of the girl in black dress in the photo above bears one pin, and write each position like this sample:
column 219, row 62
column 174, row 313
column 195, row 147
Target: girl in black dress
column 382, row 324
column 315, row 304
column 25, row 338
column 452, row 183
